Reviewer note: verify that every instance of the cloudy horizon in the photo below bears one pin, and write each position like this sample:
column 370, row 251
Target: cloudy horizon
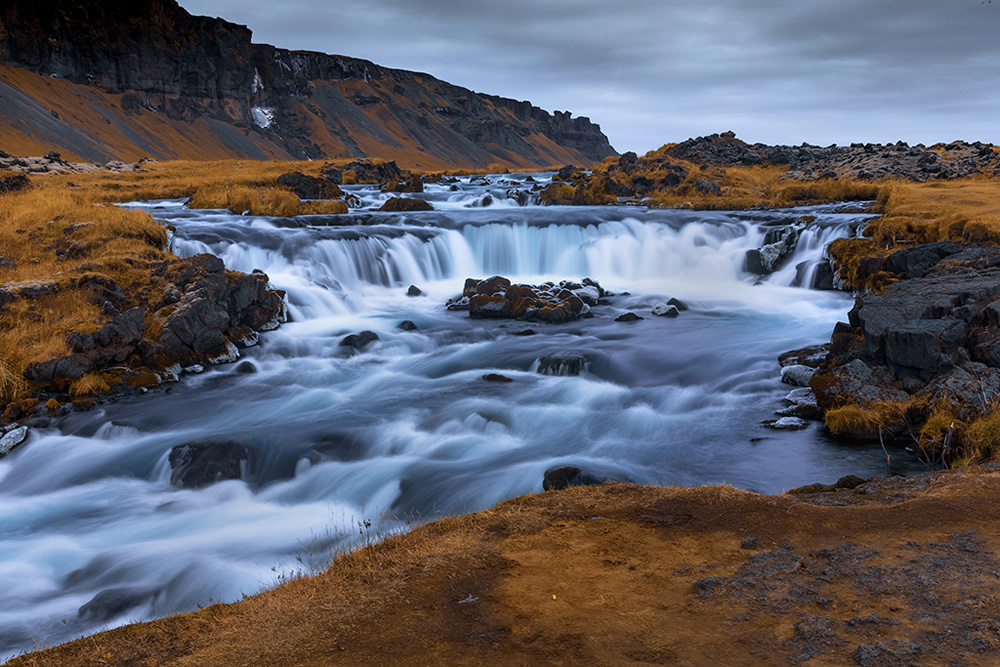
column 773, row 71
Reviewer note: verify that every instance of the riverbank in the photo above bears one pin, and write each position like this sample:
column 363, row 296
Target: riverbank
column 890, row 572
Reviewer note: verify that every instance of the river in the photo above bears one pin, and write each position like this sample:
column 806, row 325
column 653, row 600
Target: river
column 349, row 446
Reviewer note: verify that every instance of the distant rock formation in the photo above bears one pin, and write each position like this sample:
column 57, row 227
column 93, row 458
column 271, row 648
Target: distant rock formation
column 859, row 161
column 167, row 72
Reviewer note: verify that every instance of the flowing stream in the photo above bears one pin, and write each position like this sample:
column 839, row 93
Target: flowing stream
column 93, row 535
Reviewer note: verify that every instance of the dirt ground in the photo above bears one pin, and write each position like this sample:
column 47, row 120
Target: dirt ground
column 893, row 572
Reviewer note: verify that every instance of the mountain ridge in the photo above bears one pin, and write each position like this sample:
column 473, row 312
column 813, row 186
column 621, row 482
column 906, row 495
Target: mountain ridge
column 128, row 61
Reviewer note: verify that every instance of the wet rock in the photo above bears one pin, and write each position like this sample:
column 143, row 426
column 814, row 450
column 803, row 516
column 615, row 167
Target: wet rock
column 628, row 317
column 11, row 437
column 797, row 375
column 562, row 364
column 414, row 291
column 198, row 464
column 678, row 304
column 803, row 404
column 787, row 424
column 245, row 368
column 812, row 356
column 112, row 603
column 406, row 325
column 359, row 341
column 401, row 205
column 666, row 310
column 778, row 246
column 523, row 332
column 496, row 297
column 557, row 479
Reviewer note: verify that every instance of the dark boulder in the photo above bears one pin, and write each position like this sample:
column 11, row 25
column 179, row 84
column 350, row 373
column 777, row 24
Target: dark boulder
column 304, row 187
column 914, row 262
column 557, row 479
column 14, row 183
column 778, row 245
column 401, row 205
column 359, row 341
column 812, row 356
column 677, row 303
column 496, row 377
column 197, row 464
column 628, row 317
column 406, row 325
column 112, row 603
column 414, row 291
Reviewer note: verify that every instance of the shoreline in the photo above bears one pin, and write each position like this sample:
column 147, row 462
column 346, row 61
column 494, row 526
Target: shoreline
column 901, row 569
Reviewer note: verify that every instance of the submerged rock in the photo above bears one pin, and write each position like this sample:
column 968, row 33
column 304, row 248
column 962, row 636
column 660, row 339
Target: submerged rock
column 12, row 437
column 666, row 310
column 197, row 464
column 787, row 424
column 496, row 377
column 562, row 364
column 359, row 341
column 557, row 479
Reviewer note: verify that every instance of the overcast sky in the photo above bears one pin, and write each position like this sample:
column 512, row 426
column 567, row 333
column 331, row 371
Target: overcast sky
column 658, row 71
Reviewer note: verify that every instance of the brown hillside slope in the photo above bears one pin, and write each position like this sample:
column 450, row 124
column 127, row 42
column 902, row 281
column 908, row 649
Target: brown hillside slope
column 145, row 78
column 894, row 572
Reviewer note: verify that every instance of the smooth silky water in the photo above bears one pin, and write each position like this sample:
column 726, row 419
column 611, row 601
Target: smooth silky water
column 93, row 535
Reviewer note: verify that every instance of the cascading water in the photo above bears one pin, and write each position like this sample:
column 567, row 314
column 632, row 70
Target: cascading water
column 93, row 534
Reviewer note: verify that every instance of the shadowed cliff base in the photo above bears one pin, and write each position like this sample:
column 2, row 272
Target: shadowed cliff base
column 894, row 571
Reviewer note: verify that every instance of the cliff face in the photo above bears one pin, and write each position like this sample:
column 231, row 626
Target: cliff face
column 248, row 100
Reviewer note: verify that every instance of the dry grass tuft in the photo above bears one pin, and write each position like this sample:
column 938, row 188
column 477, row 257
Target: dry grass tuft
column 864, row 422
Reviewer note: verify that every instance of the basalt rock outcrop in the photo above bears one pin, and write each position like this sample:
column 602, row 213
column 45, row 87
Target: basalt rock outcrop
column 928, row 341
column 205, row 315
column 859, row 161
column 203, row 89
column 497, row 298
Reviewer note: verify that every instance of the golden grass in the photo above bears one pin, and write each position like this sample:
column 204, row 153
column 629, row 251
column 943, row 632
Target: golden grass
column 963, row 210
column 981, row 439
column 90, row 383
column 857, row 421
column 742, row 187
column 66, row 227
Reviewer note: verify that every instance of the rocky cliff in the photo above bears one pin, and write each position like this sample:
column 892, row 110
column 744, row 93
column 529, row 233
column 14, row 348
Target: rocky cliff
column 126, row 79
